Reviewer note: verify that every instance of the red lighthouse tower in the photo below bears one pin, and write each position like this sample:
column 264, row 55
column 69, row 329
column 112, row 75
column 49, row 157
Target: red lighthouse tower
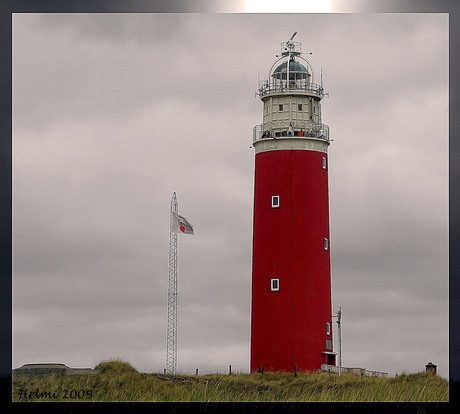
column 291, row 321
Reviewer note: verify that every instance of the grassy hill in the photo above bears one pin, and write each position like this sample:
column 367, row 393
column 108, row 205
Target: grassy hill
column 119, row 381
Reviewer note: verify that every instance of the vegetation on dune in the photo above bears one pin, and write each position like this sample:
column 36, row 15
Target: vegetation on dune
column 115, row 366
column 119, row 381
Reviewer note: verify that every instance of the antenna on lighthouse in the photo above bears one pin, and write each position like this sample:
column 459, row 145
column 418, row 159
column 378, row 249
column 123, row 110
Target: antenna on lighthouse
column 291, row 48
column 290, row 44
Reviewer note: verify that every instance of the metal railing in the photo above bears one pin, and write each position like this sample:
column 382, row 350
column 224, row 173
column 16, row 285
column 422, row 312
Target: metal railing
column 310, row 131
column 266, row 88
column 333, row 369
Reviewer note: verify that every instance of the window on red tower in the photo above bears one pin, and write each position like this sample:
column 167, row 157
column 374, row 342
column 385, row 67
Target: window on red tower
column 328, row 328
column 326, row 244
column 324, row 163
column 275, row 201
column 275, row 285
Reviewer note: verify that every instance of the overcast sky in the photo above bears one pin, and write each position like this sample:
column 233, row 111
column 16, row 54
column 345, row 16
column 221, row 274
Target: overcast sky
column 115, row 112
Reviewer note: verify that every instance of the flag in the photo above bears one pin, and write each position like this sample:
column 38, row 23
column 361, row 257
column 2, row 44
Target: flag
column 180, row 224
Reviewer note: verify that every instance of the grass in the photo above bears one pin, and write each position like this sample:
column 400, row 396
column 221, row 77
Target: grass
column 119, row 381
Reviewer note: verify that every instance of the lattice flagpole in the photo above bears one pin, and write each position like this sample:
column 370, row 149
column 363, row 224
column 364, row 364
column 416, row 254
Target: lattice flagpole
column 171, row 346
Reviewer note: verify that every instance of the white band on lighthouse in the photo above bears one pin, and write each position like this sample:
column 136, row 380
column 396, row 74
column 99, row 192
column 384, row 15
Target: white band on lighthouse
column 281, row 144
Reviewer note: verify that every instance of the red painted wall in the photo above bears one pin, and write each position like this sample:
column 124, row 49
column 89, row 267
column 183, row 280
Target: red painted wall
column 288, row 327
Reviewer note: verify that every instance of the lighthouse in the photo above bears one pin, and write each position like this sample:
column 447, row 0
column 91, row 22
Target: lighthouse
column 291, row 312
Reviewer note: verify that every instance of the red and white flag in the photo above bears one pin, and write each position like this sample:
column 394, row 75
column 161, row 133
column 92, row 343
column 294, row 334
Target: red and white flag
column 181, row 225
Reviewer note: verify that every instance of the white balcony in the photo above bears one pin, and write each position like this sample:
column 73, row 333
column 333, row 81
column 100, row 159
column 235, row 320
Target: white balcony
column 306, row 131
column 284, row 87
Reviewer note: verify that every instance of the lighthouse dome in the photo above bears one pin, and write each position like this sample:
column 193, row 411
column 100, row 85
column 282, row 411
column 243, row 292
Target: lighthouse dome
column 296, row 70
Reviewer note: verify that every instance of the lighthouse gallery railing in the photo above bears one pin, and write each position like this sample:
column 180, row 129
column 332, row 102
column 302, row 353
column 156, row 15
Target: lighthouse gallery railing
column 310, row 131
column 296, row 86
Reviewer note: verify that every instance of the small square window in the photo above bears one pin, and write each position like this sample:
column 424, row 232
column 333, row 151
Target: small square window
column 280, row 107
column 275, row 285
column 299, row 107
column 324, row 163
column 275, row 201
column 326, row 244
column 328, row 328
